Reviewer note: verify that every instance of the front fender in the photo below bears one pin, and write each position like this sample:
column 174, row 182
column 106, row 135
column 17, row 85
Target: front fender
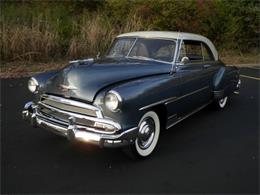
column 136, row 95
column 42, row 78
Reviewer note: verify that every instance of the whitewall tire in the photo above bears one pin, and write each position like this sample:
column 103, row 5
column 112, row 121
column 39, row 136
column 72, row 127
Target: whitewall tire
column 148, row 135
column 221, row 103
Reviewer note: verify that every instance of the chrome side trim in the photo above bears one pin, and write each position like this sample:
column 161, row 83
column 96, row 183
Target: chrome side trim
column 172, row 116
column 172, row 99
column 157, row 103
column 191, row 93
column 73, row 103
column 101, row 120
column 119, row 135
column 186, row 116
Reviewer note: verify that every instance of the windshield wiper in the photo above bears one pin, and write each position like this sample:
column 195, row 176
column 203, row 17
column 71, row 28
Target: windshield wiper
column 141, row 58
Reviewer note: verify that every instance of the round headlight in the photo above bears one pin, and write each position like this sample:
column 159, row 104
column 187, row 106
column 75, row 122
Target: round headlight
column 112, row 101
column 33, row 85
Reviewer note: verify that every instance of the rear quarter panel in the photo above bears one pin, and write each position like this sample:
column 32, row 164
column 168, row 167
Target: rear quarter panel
column 225, row 81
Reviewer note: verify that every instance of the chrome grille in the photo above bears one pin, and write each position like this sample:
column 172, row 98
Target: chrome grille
column 63, row 117
column 61, row 111
column 70, row 106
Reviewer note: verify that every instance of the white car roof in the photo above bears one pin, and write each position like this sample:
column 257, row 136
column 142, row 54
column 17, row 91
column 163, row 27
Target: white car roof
column 173, row 35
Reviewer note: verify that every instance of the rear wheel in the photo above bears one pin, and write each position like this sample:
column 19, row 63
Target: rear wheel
column 221, row 103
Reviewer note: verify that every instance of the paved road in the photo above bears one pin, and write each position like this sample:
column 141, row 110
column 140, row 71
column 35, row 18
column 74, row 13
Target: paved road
column 210, row 152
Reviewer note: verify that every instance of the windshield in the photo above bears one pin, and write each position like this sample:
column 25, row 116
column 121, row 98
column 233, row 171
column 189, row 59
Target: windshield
column 143, row 48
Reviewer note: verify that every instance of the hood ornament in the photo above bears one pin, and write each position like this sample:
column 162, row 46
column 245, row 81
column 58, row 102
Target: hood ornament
column 66, row 88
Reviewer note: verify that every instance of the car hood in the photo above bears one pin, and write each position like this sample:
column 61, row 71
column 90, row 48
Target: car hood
column 83, row 81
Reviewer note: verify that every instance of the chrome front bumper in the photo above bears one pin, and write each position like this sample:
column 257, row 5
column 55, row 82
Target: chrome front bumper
column 78, row 132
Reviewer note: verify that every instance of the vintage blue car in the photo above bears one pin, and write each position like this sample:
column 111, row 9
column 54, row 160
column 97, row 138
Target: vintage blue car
column 147, row 82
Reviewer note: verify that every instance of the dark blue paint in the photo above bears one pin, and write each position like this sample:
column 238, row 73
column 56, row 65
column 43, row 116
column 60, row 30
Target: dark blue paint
column 141, row 83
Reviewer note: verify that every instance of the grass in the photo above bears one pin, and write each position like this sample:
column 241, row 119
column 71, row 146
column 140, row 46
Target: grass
column 240, row 59
column 43, row 36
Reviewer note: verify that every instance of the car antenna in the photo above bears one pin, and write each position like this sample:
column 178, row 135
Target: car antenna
column 173, row 69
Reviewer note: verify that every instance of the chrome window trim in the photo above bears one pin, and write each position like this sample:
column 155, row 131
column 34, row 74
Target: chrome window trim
column 178, row 63
column 131, row 47
column 157, row 38
column 173, row 35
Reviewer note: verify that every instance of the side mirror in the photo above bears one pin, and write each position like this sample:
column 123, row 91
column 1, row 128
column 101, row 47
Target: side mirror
column 185, row 60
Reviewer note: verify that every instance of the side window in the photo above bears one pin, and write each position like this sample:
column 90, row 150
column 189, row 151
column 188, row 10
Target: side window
column 196, row 51
column 207, row 54
column 193, row 50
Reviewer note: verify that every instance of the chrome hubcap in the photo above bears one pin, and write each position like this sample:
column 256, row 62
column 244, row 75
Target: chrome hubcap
column 146, row 133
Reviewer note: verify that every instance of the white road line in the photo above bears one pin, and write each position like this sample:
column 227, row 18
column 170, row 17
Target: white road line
column 245, row 76
column 255, row 68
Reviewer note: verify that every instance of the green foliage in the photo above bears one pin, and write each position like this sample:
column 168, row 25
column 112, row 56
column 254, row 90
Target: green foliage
column 35, row 30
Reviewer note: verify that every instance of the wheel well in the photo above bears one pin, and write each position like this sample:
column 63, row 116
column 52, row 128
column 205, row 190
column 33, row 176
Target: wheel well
column 161, row 110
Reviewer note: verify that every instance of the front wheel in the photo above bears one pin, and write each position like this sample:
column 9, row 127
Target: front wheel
column 148, row 135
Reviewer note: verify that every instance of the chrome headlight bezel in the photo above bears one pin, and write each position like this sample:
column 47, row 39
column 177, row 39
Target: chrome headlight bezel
column 113, row 101
column 33, row 85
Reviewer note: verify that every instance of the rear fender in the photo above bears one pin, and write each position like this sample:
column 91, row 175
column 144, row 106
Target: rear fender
column 225, row 81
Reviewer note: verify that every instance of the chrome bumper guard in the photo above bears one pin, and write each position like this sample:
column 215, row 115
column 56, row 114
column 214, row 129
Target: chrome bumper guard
column 76, row 132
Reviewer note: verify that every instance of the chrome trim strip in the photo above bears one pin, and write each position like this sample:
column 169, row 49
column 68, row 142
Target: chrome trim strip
column 191, row 93
column 172, row 116
column 116, row 94
column 157, row 103
column 73, row 103
column 119, row 135
column 172, row 99
column 186, row 116
column 80, row 135
column 61, row 130
column 150, row 59
column 131, row 47
column 101, row 120
column 51, row 119
column 138, row 37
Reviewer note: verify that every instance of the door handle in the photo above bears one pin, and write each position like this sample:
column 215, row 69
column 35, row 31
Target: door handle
column 206, row 66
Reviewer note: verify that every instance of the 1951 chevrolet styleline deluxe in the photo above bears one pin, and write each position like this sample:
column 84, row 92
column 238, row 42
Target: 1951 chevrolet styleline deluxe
column 147, row 82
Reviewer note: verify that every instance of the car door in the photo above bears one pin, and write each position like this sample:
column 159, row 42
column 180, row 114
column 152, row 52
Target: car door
column 194, row 72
